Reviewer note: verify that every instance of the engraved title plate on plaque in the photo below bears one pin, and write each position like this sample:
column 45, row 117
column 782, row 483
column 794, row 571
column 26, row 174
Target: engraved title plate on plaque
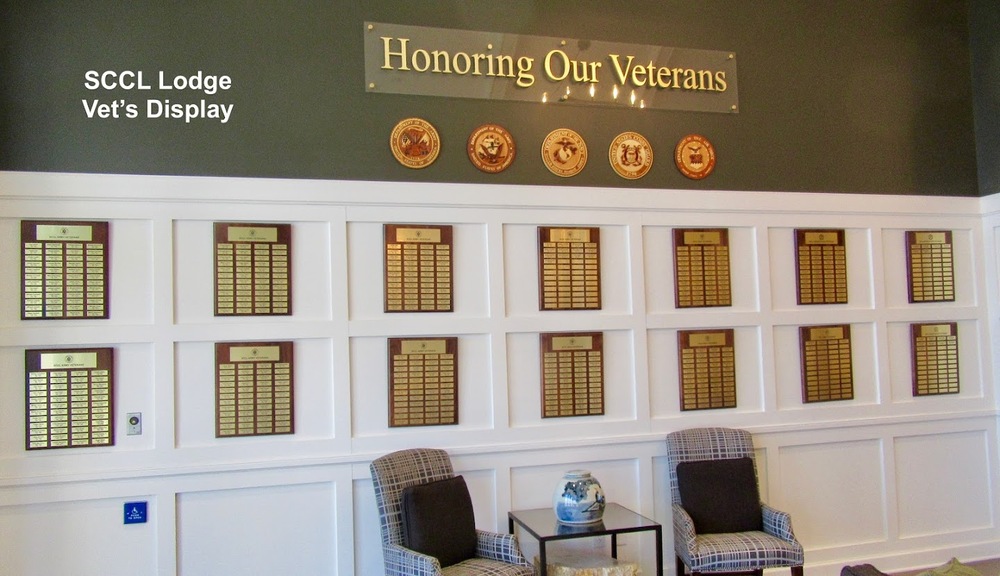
column 935, row 358
column 929, row 267
column 827, row 372
column 821, row 266
column 254, row 385
column 253, row 265
column 707, row 362
column 65, row 270
column 569, row 268
column 69, row 398
column 418, row 268
column 701, row 267
column 572, row 374
column 423, row 381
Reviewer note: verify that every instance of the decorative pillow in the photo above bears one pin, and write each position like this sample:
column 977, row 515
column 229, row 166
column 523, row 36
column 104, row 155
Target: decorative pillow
column 438, row 520
column 720, row 495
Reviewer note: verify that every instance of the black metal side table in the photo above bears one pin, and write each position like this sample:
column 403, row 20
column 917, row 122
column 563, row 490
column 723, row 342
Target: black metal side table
column 542, row 524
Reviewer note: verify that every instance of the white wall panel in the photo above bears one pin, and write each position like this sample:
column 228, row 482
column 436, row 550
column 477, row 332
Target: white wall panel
column 266, row 530
column 367, row 284
column 942, row 483
column 835, row 492
column 83, row 538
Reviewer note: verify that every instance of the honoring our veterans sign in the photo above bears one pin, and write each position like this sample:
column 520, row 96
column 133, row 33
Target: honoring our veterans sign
column 491, row 65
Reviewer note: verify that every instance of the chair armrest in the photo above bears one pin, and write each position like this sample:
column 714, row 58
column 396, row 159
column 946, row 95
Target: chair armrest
column 777, row 523
column 684, row 533
column 500, row 547
column 400, row 561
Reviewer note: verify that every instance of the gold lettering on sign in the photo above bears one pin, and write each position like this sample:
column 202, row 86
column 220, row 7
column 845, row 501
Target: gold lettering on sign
column 935, row 330
column 707, row 339
column 424, row 346
column 418, row 235
column 831, row 333
column 63, row 233
column 252, row 234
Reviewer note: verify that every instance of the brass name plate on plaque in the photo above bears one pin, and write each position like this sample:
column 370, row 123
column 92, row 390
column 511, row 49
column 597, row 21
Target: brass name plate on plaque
column 707, row 362
column 572, row 367
column 64, row 273
column 423, row 381
column 69, row 398
column 701, row 268
column 935, row 358
column 253, row 269
column 569, row 268
column 418, row 268
column 821, row 266
column 929, row 266
column 827, row 371
column 254, row 387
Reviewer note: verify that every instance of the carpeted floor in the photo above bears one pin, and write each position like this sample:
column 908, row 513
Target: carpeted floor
column 986, row 567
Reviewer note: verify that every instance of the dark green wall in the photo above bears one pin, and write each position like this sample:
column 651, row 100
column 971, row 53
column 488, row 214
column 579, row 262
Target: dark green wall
column 835, row 96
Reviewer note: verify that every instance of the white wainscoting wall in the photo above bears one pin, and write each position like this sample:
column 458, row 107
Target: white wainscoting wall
column 885, row 478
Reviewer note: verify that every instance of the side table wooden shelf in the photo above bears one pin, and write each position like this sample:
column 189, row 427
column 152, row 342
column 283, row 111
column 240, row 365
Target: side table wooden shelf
column 541, row 523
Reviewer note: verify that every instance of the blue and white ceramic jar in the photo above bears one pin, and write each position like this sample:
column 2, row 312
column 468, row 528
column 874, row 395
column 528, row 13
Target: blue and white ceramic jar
column 578, row 498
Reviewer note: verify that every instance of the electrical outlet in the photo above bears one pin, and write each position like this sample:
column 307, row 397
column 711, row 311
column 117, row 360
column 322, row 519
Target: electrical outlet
column 133, row 424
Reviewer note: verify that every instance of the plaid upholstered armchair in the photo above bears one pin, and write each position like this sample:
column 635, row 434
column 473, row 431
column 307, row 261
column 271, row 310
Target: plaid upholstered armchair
column 720, row 524
column 428, row 529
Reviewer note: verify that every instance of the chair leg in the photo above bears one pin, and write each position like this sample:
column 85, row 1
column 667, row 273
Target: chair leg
column 680, row 566
column 797, row 570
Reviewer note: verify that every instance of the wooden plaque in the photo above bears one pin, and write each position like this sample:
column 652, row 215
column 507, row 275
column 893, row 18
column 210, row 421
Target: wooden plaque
column 929, row 266
column 418, row 268
column 569, row 268
column 701, row 267
column 69, row 398
column 423, row 381
column 827, row 371
column 572, row 366
column 821, row 266
column 64, row 273
column 707, row 365
column 253, row 269
column 935, row 358
column 254, row 389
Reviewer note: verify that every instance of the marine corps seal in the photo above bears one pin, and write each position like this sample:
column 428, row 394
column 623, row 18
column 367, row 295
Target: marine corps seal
column 631, row 155
column 564, row 152
column 491, row 148
column 415, row 143
column 694, row 156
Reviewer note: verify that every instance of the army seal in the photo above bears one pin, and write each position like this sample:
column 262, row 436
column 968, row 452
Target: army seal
column 491, row 148
column 564, row 152
column 415, row 143
column 694, row 156
column 631, row 155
